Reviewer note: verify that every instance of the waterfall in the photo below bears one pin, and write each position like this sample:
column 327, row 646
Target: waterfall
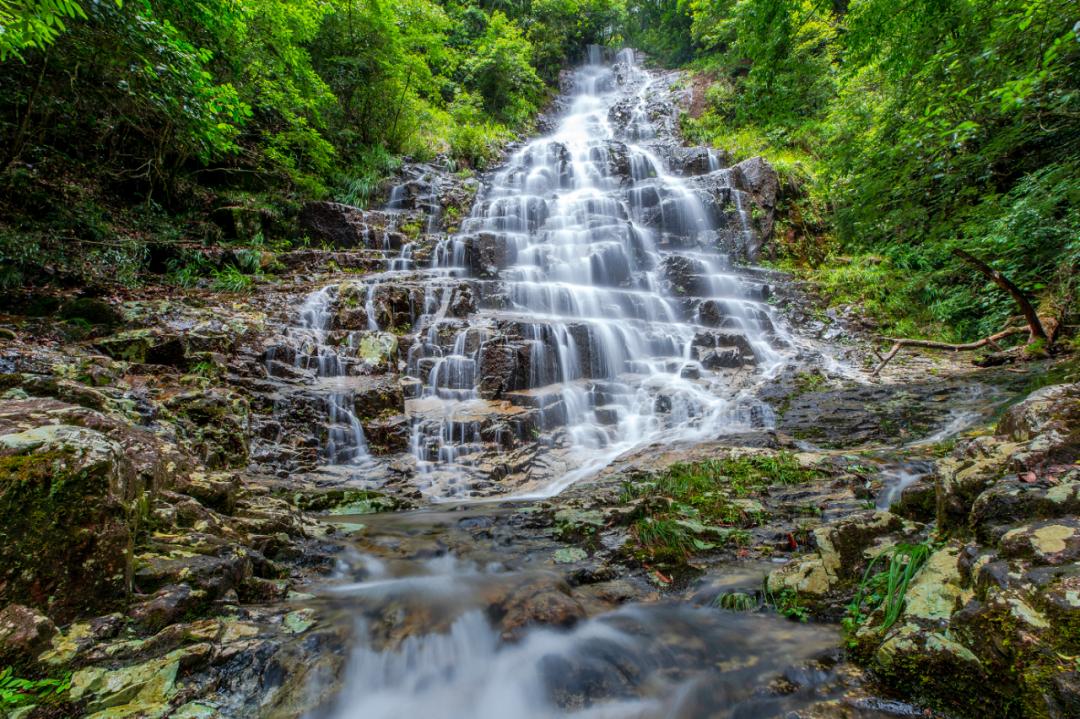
column 596, row 235
column 345, row 442
column 589, row 304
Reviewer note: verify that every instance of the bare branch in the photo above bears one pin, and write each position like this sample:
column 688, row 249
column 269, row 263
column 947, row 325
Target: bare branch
column 1035, row 327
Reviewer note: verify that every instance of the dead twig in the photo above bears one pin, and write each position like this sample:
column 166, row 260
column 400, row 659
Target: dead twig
column 901, row 342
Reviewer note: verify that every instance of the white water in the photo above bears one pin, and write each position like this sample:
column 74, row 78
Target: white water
column 652, row 661
column 612, row 354
column 344, row 442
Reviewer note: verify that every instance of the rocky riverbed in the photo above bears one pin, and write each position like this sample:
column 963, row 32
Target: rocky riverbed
column 413, row 473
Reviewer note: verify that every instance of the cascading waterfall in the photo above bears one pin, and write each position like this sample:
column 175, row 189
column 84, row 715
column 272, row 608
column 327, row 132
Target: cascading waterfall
column 587, row 305
column 345, row 442
column 592, row 223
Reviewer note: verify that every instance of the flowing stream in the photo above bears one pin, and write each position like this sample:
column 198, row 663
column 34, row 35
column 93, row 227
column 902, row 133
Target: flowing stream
column 590, row 304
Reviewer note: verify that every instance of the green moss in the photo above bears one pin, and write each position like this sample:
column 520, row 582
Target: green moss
column 64, row 544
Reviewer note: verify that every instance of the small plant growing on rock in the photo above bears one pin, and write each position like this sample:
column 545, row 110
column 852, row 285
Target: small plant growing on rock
column 886, row 588
column 15, row 691
column 787, row 604
column 735, row 602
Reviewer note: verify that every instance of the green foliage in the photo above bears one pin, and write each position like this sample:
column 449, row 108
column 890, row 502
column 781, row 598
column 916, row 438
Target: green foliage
column 35, row 24
column 788, row 604
column 501, row 73
column 886, row 588
column 163, row 104
column 15, row 692
column 903, row 135
column 232, row 279
column 689, row 507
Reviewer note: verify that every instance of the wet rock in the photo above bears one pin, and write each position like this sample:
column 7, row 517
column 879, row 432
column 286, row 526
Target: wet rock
column 758, row 177
column 215, row 423
column 538, row 601
column 698, row 160
column 24, row 634
column 217, row 490
column 487, row 252
column 169, row 604
column 378, row 396
column 378, row 351
column 67, row 519
column 341, row 226
column 729, row 357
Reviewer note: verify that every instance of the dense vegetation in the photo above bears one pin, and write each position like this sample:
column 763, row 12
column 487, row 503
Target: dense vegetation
column 126, row 121
column 903, row 132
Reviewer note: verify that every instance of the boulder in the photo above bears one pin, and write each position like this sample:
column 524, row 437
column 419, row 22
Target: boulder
column 215, row 424
column 24, row 634
column 1049, row 542
column 68, row 516
column 843, row 550
column 341, row 226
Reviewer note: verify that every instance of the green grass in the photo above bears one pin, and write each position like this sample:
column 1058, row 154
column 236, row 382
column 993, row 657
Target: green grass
column 232, row 279
column 690, row 507
column 886, row 588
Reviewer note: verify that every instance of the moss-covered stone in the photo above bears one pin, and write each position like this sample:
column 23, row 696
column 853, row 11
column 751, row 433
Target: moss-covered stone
column 67, row 520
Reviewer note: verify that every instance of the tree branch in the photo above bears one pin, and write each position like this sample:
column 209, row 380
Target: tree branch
column 1035, row 327
column 899, row 343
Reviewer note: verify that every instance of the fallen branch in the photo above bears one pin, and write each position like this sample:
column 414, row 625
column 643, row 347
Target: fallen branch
column 900, row 342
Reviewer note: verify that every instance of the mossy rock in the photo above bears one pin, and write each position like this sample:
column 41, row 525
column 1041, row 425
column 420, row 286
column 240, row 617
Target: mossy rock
column 93, row 311
column 66, row 521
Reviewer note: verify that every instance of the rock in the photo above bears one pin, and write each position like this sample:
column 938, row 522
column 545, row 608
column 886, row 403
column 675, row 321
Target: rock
column 378, row 350
column 145, row 346
column 1050, row 409
column 917, row 501
column 24, row 634
column 378, row 396
column 67, row 520
column 342, row 226
column 536, row 601
column 928, row 665
column 1051, row 542
column 757, row 177
column 569, row 555
column 1012, row 499
column 91, row 310
column 140, row 690
column 728, row 357
column 843, row 550
column 1048, row 420
column 168, row 605
column 698, row 160
column 215, row 423
column 937, row 590
column 216, row 490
